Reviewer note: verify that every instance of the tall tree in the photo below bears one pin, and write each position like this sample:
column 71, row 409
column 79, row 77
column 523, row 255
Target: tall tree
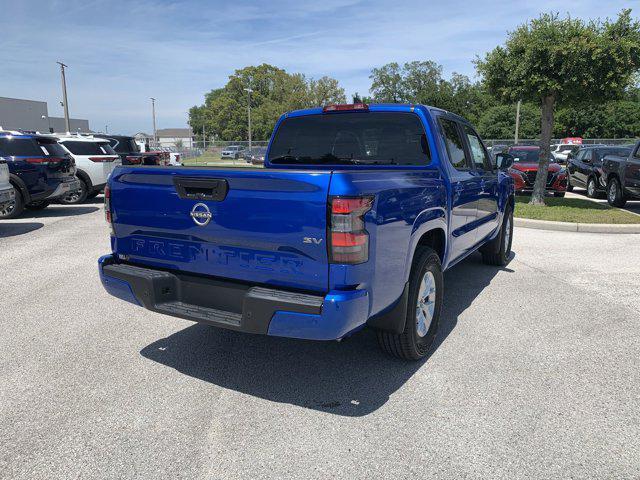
column 274, row 91
column 552, row 59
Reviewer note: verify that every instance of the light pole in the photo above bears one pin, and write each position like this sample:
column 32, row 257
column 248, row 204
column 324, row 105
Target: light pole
column 106, row 129
column 64, row 96
column 249, row 91
column 517, row 120
column 153, row 112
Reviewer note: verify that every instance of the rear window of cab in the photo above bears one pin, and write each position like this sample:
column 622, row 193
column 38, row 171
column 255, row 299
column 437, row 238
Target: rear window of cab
column 358, row 138
column 88, row 148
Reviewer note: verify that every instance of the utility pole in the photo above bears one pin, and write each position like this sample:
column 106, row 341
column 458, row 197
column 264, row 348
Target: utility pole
column 64, row 97
column 249, row 91
column 517, row 120
column 106, row 129
column 153, row 112
column 204, row 139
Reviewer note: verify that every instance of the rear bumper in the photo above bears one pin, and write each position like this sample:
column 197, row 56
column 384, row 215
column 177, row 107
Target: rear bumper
column 237, row 306
column 65, row 188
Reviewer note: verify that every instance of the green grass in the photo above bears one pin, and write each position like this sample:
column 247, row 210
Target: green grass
column 574, row 210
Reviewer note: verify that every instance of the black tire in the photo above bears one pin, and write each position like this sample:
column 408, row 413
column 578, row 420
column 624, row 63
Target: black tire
column 37, row 205
column 559, row 194
column 77, row 197
column 498, row 251
column 569, row 186
column 416, row 339
column 15, row 209
column 93, row 194
column 615, row 195
column 592, row 188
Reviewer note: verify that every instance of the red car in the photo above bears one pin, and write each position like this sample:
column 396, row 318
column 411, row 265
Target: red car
column 525, row 169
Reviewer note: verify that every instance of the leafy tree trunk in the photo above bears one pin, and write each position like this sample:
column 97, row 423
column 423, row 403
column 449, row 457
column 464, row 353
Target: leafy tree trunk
column 546, row 128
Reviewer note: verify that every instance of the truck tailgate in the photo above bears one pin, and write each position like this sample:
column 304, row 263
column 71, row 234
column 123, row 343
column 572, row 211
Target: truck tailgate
column 257, row 226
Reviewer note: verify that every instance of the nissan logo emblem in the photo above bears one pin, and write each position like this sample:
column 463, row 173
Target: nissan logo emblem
column 201, row 214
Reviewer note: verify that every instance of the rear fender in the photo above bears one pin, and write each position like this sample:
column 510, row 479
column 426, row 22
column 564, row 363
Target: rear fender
column 427, row 221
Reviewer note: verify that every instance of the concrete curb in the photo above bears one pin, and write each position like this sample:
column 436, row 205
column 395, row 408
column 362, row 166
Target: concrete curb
column 577, row 227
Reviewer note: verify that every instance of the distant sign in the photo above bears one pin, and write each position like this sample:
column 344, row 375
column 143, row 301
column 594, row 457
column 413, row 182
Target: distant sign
column 572, row 141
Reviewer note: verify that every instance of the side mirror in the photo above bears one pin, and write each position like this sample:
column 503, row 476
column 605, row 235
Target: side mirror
column 504, row 161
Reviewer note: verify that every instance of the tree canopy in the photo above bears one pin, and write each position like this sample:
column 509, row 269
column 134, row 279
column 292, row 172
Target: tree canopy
column 274, row 91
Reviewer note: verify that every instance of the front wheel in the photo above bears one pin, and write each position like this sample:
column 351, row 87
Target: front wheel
column 615, row 195
column 14, row 208
column 558, row 194
column 569, row 186
column 592, row 191
column 426, row 291
column 498, row 251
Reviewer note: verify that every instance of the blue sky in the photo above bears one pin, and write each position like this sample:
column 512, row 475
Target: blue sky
column 120, row 53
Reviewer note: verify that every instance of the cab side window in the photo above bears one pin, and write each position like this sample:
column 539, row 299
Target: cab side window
column 479, row 155
column 588, row 155
column 455, row 146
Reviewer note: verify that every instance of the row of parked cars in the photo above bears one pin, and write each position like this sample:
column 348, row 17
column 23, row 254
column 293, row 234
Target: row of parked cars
column 611, row 170
column 37, row 169
column 254, row 156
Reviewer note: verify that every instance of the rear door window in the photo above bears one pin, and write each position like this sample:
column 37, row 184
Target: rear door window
column 455, row 146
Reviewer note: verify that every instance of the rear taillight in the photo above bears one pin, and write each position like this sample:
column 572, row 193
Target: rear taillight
column 103, row 159
column 43, row 160
column 107, row 204
column 134, row 160
column 348, row 239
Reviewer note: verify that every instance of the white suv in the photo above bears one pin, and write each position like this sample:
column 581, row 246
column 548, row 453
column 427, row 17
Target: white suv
column 7, row 193
column 95, row 160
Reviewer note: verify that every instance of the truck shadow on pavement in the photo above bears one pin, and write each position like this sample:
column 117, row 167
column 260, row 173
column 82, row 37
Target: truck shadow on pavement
column 350, row 378
column 8, row 229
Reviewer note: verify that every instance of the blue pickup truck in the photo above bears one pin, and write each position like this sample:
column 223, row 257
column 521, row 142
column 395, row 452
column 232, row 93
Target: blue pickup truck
column 357, row 212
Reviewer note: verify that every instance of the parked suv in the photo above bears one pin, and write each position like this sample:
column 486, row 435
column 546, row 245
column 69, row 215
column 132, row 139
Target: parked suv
column 40, row 171
column 7, row 193
column 584, row 167
column 526, row 159
column 129, row 151
column 95, row 160
column 232, row 151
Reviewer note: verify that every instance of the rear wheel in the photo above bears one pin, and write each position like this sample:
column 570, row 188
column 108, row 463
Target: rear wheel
column 426, row 292
column 569, row 186
column 13, row 209
column 592, row 191
column 615, row 195
column 93, row 194
column 498, row 251
column 79, row 196
column 37, row 205
column 558, row 194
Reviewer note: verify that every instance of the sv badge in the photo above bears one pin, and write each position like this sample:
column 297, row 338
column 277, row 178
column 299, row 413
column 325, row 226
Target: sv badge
column 313, row 240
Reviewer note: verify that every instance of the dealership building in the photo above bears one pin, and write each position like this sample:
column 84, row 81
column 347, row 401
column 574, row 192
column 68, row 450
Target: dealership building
column 33, row 115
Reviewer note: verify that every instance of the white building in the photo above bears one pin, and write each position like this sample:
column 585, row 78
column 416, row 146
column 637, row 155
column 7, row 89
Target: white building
column 172, row 137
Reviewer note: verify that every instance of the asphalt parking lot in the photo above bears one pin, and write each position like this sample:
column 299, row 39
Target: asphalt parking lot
column 536, row 373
